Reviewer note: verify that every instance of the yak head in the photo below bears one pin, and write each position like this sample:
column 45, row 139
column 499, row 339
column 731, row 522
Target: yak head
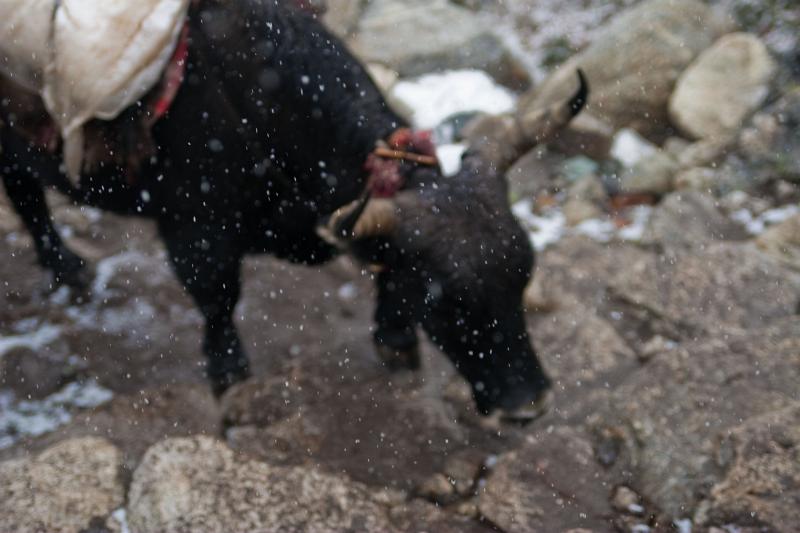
column 452, row 259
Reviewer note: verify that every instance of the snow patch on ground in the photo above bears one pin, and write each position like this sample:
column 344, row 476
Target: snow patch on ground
column 120, row 516
column 22, row 418
column 36, row 340
column 629, row 147
column 549, row 227
column 756, row 225
column 435, row 97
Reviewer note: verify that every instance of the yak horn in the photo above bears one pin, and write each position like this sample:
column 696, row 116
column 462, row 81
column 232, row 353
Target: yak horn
column 540, row 126
column 501, row 140
column 360, row 219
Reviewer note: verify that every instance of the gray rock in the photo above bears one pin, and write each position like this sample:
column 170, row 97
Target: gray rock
column 783, row 242
column 770, row 144
column 685, row 293
column 722, row 87
column 677, row 409
column 342, row 16
column 577, row 211
column 199, row 484
column 690, row 219
column 63, row 489
column 653, row 174
column 585, row 135
column 395, row 435
column 701, row 179
column 761, row 487
column 551, row 483
column 454, row 38
column 660, row 38
column 533, row 173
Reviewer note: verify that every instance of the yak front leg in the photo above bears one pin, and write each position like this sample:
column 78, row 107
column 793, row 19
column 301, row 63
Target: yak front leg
column 209, row 268
column 27, row 196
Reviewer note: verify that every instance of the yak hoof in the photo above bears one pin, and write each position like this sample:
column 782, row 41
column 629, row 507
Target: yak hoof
column 223, row 379
column 396, row 360
column 521, row 416
column 526, row 414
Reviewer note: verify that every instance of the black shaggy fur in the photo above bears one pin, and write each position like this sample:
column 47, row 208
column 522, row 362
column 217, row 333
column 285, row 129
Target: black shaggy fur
column 267, row 136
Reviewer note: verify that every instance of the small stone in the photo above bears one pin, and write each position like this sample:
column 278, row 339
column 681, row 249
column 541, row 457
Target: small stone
column 702, row 179
column 626, row 500
column 586, row 135
column 437, row 488
column 588, row 188
column 577, row 211
column 722, row 87
column 655, row 346
column 653, row 174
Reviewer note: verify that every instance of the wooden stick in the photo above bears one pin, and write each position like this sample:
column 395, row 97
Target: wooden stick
column 427, row 160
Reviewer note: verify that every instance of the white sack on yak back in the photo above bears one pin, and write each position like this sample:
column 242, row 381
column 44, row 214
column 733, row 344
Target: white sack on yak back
column 103, row 56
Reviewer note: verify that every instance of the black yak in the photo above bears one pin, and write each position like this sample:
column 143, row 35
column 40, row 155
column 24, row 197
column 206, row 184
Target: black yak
column 279, row 142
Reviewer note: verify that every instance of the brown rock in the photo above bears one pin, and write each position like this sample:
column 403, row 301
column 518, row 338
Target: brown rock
column 62, row 489
column 783, row 242
column 549, row 484
column 675, row 411
column 762, row 485
column 661, row 38
column 722, row 87
column 198, row 484
column 690, row 219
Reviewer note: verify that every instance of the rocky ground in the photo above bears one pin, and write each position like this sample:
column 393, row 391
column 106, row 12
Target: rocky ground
column 666, row 306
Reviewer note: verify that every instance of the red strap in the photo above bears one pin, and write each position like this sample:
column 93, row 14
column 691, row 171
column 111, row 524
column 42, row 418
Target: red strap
column 385, row 179
column 173, row 76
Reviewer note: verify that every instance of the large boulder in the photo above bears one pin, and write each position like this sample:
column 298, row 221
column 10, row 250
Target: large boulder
column 783, row 242
column 762, row 485
column 551, row 483
column 673, row 414
column 384, row 431
column 199, row 484
column 722, row 87
column 690, row 219
column 633, row 65
column 454, row 38
column 687, row 293
column 64, row 489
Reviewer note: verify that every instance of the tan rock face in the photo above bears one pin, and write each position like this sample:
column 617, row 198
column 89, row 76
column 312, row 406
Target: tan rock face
column 547, row 484
column 198, row 484
column 722, row 87
column 762, row 486
column 633, row 65
column 63, row 489
column 783, row 242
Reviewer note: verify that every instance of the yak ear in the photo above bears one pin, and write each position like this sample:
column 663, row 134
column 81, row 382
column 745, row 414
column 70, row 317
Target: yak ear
column 360, row 219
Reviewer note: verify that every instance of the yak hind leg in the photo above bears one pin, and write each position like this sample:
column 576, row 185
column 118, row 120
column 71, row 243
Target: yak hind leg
column 28, row 199
column 209, row 268
column 395, row 336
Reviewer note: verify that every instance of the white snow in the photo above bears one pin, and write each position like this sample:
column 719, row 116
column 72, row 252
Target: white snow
column 35, row 340
column 121, row 517
column 435, row 97
column 756, row 225
column 20, row 418
column 549, row 227
column 450, row 157
column 629, row 147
